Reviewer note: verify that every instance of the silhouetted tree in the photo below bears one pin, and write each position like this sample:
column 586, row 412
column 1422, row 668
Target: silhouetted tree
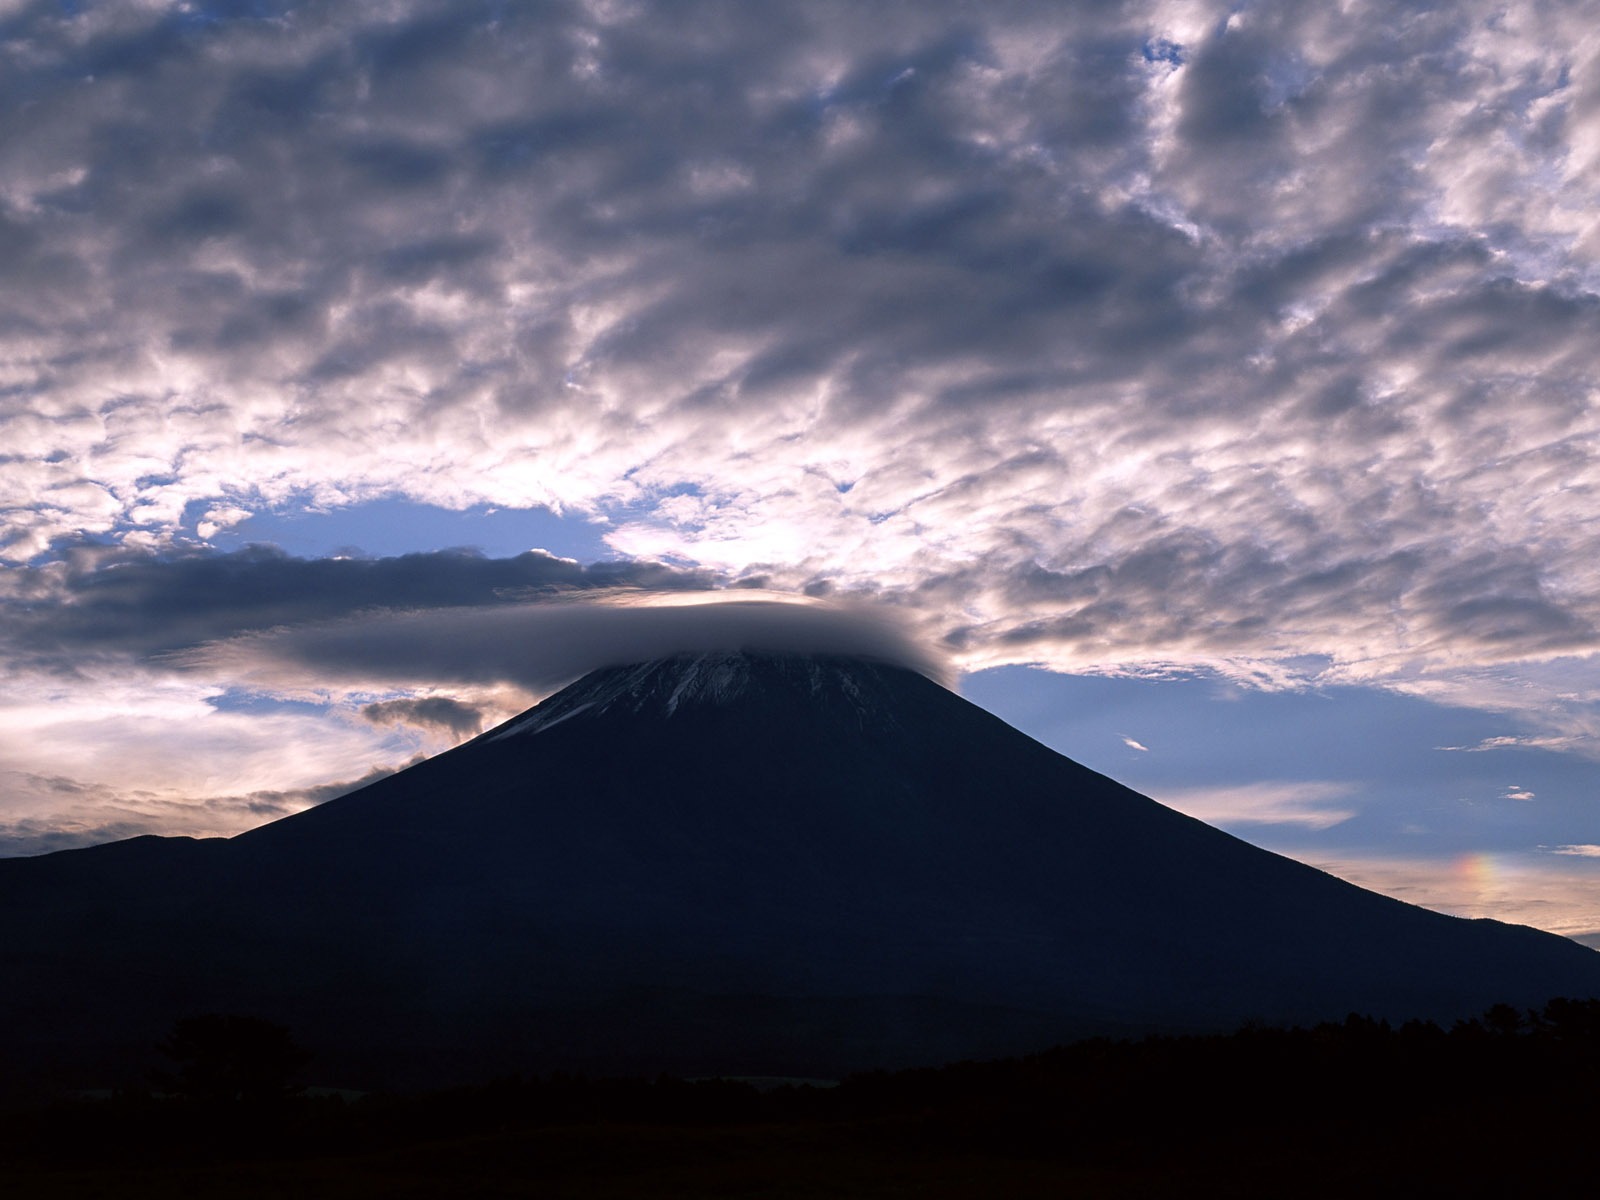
column 1573, row 1020
column 1505, row 1020
column 229, row 1058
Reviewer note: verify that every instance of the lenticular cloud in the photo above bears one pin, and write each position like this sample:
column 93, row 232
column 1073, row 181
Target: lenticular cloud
column 541, row 646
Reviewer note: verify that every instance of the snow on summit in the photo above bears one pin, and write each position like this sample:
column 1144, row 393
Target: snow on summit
column 708, row 678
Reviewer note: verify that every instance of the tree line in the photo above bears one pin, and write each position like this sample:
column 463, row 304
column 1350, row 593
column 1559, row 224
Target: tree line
column 1509, row 1094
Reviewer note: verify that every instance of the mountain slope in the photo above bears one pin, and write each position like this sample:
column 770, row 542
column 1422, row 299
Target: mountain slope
column 736, row 862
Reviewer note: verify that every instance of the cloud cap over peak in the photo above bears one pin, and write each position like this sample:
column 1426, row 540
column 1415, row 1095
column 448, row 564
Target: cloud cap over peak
column 541, row 646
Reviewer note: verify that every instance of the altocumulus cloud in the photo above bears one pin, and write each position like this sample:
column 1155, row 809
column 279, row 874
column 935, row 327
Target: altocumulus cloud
column 1256, row 337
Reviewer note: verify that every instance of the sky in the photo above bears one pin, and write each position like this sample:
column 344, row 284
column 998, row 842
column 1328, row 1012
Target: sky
column 1211, row 390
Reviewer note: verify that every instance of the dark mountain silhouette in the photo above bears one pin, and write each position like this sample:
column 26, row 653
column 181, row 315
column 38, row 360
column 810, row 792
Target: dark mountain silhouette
column 743, row 863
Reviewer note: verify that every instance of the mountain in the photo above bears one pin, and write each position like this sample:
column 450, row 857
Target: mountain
column 737, row 862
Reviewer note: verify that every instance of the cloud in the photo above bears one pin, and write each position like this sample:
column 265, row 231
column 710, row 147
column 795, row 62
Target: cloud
column 1555, row 701
column 108, row 600
column 1513, row 742
column 1525, row 889
column 1584, row 850
column 542, row 646
column 103, row 814
column 441, row 711
column 1133, row 745
column 1308, row 803
column 1153, row 336
column 146, row 691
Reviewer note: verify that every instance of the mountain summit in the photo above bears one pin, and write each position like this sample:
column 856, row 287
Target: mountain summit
column 725, row 862
column 713, row 678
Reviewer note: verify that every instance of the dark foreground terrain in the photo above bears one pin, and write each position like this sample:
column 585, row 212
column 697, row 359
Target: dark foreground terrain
column 1501, row 1106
